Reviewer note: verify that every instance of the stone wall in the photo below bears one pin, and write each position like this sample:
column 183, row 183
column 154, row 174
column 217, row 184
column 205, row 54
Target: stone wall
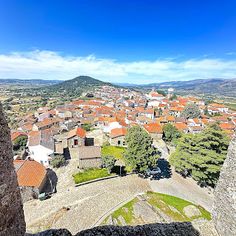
column 90, row 163
column 118, row 141
column 224, row 209
column 28, row 193
column 11, row 210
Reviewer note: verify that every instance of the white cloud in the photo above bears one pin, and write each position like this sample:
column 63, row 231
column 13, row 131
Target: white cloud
column 52, row 65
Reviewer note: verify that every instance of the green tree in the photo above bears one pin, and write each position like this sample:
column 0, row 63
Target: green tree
column 158, row 112
column 87, row 126
column 108, row 162
column 191, row 111
column 201, row 155
column 170, row 133
column 139, row 154
column 57, row 161
column 162, row 92
column 20, row 143
column 206, row 111
column 173, row 97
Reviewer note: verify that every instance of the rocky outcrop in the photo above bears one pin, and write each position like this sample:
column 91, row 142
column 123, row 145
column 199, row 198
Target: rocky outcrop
column 11, row 210
column 180, row 229
column 52, row 232
column 224, row 209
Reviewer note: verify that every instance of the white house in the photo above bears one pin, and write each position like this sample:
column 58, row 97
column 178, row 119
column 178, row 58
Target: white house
column 154, row 103
column 155, row 96
column 41, row 146
column 110, row 126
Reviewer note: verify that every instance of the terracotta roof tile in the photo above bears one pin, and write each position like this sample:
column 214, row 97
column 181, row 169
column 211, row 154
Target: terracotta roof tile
column 77, row 132
column 181, row 126
column 153, row 128
column 118, row 132
column 227, row 126
column 17, row 134
column 29, row 173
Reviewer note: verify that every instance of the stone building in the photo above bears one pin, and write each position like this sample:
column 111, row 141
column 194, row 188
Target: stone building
column 117, row 137
column 76, row 138
column 89, row 157
column 154, row 129
column 31, row 177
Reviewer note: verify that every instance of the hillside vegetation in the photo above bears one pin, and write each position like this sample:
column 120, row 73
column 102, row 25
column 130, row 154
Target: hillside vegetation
column 222, row 87
column 76, row 86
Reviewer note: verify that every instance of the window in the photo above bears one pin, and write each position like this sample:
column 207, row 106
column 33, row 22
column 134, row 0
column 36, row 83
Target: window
column 118, row 142
column 76, row 142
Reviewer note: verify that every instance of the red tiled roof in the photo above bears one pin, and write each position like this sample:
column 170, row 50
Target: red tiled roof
column 227, row 126
column 118, row 132
column 34, row 138
column 216, row 105
column 170, row 118
column 154, row 94
column 176, row 108
column 153, row 128
column 27, row 127
column 181, row 126
column 77, row 132
column 17, row 134
column 29, row 173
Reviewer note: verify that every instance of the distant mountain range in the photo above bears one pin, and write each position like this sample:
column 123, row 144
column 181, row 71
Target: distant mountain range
column 222, row 87
column 32, row 82
column 80, row 84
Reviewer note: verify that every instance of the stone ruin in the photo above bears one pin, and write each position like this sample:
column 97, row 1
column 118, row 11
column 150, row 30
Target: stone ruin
column 224, row 209
column 12, row 221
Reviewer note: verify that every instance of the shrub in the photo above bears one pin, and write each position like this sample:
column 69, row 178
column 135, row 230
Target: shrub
column 58, row 161
column 108, row 162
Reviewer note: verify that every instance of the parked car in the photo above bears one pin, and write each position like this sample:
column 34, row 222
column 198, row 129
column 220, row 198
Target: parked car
column 154, row 171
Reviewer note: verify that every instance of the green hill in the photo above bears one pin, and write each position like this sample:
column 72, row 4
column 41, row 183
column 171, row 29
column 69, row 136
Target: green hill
column 76, row 86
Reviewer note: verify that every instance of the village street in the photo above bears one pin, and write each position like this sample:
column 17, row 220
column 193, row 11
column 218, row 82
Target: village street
column 77, row 208
column 183, row 188
column 71, row 206
column 174, row 184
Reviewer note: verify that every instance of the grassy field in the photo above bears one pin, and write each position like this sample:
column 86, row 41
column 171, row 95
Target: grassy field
column 117, row 152
column 171, row 206
column 163, row 202
column 231, row 106
column 90, row 174
column 126, row 211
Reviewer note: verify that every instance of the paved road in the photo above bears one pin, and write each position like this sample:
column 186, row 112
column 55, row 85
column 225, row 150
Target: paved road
column 183, row 188
column 79, row 208
column 174, row 184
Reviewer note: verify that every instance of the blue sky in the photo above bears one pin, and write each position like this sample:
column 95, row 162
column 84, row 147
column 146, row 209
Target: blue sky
column 127, row 41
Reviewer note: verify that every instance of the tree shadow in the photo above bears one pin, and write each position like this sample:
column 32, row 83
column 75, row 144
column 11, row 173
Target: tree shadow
column 51, row 182
column 66, row 153
column 165, row 168
column 119, row 170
